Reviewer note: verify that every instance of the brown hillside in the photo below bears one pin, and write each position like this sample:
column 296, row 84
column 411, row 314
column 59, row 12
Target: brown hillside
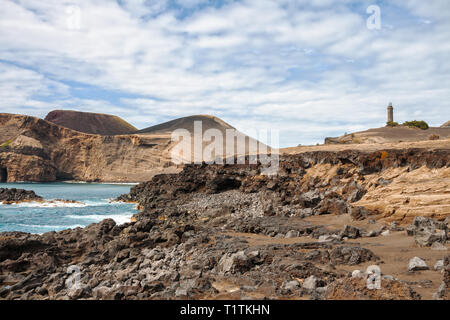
column 33, row 149
column 208, row 122
column 92, row 123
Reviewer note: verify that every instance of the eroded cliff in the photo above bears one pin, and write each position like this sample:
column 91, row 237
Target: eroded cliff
column 393, row 185
column 33, row 149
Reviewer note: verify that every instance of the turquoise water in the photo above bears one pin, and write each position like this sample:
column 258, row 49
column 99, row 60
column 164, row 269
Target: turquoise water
column 43, row 217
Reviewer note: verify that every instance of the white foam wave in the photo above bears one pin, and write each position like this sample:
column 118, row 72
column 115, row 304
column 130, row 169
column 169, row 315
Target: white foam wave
column 75, row 182
column 63, row 204
column 92, row 203
column 50, row 204
column 118, row 218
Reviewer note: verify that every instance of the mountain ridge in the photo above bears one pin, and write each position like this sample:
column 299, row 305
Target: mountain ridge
column 208, row 122
column 91, row 123
column 37, row 150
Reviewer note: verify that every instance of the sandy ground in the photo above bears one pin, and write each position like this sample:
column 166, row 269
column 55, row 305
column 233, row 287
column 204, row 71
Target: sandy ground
column 433, row 145
column 394, row 250
column 391, row 135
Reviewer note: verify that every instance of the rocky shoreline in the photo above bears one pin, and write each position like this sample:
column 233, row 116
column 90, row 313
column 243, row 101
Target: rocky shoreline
column 227, row 232
column 10, row 196
column 17, row 196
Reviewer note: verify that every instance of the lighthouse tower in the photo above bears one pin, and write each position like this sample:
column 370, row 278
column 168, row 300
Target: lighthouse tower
column 390, row 113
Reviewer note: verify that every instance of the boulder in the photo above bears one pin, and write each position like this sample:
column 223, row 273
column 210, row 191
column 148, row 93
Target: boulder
column 371, row 234
column 79, row 291
column 427, row 231
column 350, row 232
column 310, row 283
column 440, row 294
column 14, row 195
column 386, row 233
column 426, row 238
column 359, row 274
column 292, row 234
column 439, row 265
column 329, row 238
column 427, row 223
column 311, row 198
column 358, row 213
column 351, row 255
column 332, row 206
column 101, row 292
column 290, row 285
column 443, row 291
column 394, row 227
column 417, row 264
column 234, row 263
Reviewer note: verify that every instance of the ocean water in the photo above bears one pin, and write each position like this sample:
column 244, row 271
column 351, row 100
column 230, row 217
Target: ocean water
column 39, row 218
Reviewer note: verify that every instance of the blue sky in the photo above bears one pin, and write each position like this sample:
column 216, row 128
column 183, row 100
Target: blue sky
column 309, row 69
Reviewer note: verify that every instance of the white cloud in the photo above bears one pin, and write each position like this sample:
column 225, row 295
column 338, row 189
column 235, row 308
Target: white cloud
column 309, row 68
column 140, row 8
column 22, row 88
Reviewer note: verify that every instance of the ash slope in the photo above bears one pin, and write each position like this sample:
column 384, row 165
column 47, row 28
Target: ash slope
column 92, row 123
column 238, row 144
column 208, row 122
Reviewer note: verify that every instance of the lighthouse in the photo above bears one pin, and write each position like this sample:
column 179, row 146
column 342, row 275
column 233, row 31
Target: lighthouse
column 390, row 113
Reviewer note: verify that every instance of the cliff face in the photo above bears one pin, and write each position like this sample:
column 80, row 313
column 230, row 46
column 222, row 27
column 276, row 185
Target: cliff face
column 33, row 149
column 391, row 185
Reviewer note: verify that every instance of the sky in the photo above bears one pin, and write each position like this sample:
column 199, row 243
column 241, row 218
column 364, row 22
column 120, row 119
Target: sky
column 308, row 69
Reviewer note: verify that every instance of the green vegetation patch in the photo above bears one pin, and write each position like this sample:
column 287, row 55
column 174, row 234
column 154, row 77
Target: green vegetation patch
column 7, row 143
column 392, row 124
column 417, row 124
